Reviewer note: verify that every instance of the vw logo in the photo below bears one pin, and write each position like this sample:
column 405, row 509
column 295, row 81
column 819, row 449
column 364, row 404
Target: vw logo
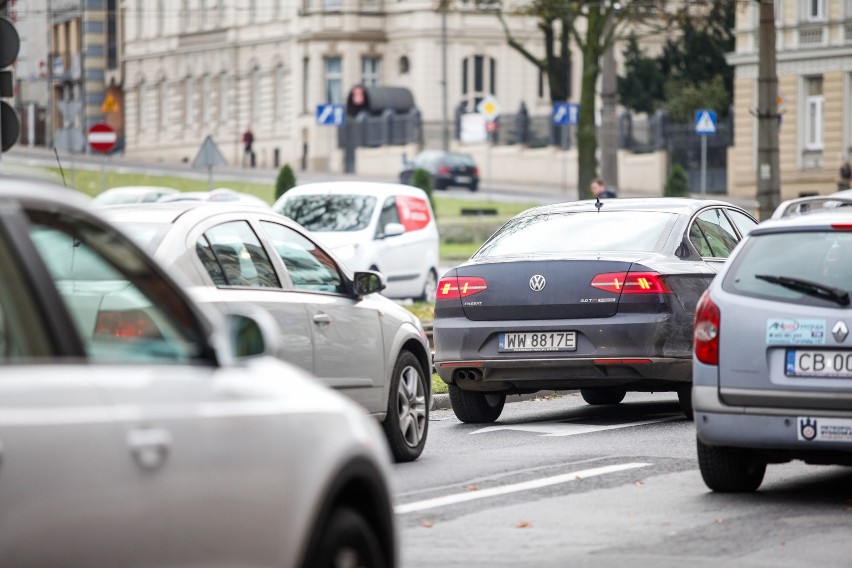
column 537, row 283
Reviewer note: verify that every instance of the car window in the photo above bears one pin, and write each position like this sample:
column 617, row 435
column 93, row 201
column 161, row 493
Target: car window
column 743, row 222
column 389, row 214
column 22, row 334
column 558, row 233
column 309, row 266
column 123, row 310
column 240, row 258
column 712, row 234
column 331, row 212
column 821, row 257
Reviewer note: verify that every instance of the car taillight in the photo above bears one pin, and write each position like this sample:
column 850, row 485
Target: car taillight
column 475, row 171
column 126, row 324
column 631, row 283
column 443, row 170
column 706, row 331
column 459, row 287
column 841, row 226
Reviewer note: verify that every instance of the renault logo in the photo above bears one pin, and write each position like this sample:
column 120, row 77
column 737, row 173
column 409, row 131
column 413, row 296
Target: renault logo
column 537, row 283
column 839, row 331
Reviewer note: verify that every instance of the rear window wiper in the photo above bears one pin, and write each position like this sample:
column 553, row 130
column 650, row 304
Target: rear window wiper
column 836, row 295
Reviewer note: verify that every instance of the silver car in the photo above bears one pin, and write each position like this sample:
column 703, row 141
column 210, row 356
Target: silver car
column 332, row 322
column 772, row 365
column 134, row 432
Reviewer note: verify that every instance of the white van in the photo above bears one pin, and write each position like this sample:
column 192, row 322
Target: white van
column 373, row 226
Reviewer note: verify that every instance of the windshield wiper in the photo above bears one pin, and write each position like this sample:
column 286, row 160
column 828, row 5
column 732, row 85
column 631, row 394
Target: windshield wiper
column 807, row 287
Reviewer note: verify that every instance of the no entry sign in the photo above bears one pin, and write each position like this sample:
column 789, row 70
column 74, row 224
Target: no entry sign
column 101, row 137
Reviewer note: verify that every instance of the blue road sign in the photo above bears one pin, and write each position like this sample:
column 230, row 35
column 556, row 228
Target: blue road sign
column 705, row 121
column 565, row 114
column 331, row 115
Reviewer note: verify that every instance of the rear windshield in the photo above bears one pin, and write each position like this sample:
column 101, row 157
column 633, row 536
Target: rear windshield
column 819, row 257
column 460, row 160
column 146, row 235
column 557, row 233
column 331, row 212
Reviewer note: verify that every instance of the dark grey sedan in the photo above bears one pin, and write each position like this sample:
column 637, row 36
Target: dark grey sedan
column 596, row 296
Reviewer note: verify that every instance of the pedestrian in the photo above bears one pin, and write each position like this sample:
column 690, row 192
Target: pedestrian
column 600, row 190
column 248, row 141
column 845, row 176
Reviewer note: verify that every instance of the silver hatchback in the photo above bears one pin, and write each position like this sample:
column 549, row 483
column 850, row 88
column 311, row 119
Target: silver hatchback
column 772, row 367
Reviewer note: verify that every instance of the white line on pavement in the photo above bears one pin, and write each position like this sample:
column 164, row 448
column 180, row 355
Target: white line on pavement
column 514, row 488
column 567, row 429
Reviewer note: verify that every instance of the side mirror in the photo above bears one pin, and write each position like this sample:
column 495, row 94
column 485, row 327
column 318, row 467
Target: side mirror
column 368, row 282
column 393, row 229
column 252, row 335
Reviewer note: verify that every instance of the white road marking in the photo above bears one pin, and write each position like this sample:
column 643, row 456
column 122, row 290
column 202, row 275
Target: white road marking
column 566, row 429
column 514, row 488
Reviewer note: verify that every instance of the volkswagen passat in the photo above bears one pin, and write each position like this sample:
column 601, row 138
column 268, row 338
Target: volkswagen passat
column 596, row 296
column 773, row 353
column 136, row 432
column 333, row 323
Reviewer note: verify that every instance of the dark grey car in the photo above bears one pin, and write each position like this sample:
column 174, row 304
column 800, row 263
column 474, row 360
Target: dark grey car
column 575, row 296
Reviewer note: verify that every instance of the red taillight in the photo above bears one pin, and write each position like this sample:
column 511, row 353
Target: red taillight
column 476, row 171
column 459, row 287
column 706, row 331
column 841, row 226
column 631, row 283
column 126, row 324
column 443, row 170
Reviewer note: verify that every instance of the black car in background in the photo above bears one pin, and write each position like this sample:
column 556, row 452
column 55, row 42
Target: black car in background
column 448, row 169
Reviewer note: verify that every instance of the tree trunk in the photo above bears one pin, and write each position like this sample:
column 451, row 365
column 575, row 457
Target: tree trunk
column 587, row 143
column 768, row 183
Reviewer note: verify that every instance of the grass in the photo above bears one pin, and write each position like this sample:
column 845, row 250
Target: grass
column 439, row 386
column 453, row 253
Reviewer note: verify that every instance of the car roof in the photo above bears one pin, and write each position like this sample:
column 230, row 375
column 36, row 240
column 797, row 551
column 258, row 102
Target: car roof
column 34, row 190
column 375, row 188
column 662, row 204
column 139, row 189
column 192, row 211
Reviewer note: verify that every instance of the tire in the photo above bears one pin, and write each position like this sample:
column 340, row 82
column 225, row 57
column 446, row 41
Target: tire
column 726, row 470
column 348, row 540
column 684, row 397
column 474, row 186
column 603, row 395
column 430, row 286
column 407, row 421
column 476, row 407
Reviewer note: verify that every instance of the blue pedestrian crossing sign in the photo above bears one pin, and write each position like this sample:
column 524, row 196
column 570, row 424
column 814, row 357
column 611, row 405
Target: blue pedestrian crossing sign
column 705, row 121
column 331, row 115
column 565, row 114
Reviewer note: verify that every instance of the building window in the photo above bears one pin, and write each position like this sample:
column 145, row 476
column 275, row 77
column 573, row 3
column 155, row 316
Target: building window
column 814, row 101
column 143, row 108
column 185, row 14
column 255, row 111
column 164, row 105
column 404, row 65
column 306, row 89
column 206, row 100
column 112, row 35
column 140, row 19
column 252, row 10
column 816, row 10
column 331, row 5
column 333, row 79
column 371, row 71
column 479, row 77
column 189, row 101
column 280, row 93
column 161, row 16
column 224, row 85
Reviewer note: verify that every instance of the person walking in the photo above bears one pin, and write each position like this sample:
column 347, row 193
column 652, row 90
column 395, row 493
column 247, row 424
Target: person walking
column 600, row 190
column 248, row 152
column 845, row 180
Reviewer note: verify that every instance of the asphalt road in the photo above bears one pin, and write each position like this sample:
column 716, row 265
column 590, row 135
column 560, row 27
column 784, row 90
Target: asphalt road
column 557, row 483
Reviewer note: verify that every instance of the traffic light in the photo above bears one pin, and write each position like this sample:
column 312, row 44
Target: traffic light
column 10, row 124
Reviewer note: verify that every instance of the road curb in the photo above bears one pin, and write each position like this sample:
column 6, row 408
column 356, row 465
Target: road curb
column 442, row 401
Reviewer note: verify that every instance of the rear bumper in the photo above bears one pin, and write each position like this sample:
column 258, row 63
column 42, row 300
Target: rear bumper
column 774, row 431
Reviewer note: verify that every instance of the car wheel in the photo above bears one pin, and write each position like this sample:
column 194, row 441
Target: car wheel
column 349, row 540
column 474, row 186
column 727, row 470
column 407, row 420
column 476, row 407
column 603, row 395
column 684, row 397
column 430, row 286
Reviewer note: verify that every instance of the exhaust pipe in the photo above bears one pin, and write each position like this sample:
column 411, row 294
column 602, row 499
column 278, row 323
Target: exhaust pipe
column 467, row 374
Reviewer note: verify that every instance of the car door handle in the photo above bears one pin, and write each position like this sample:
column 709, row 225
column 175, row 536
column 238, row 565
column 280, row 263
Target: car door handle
column 322, row 319
column 149, row 446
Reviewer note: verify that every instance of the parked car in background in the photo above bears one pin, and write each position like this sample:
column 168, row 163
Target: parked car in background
column 373, row 226
column 218, row 195
column 448, row 169
column 132, row 194
column 333, row 323
column 772, row 370
column 140, row 429
column 574, row 296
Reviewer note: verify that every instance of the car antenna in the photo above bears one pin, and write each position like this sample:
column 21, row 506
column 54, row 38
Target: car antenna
column 598, row 203
column 61, row 171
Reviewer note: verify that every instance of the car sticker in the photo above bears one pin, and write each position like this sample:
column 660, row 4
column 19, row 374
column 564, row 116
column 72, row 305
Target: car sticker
column 824, row 429
column 413, row 212
column 795, row 332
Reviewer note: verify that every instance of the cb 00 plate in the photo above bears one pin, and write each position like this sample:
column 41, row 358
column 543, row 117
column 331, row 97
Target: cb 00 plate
column 818, row 363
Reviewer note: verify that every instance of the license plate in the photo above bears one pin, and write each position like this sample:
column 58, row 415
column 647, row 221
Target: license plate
column 539, row 341
column 818, row 363
column 463, row 179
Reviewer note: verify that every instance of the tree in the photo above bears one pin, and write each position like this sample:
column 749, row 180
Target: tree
column 421, row 178
column 642, row 87
column 286, row 180
column 677, row 184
